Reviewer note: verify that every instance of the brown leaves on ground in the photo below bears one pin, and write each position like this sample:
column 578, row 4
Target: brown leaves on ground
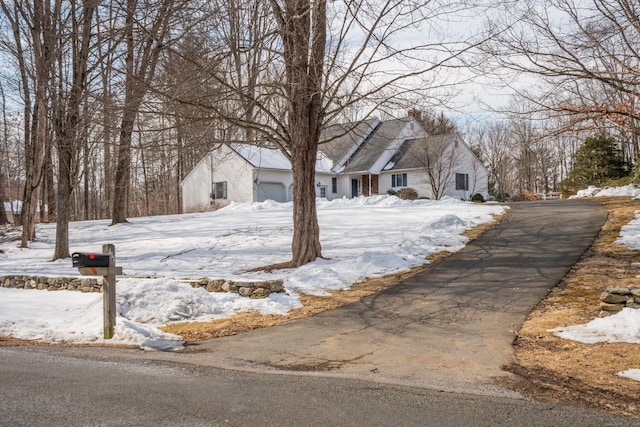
column 575, row 373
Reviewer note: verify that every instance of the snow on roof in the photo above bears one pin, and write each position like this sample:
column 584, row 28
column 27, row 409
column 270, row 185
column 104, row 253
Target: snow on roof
column 262, row 157
column 272, row 158
column 323, row 163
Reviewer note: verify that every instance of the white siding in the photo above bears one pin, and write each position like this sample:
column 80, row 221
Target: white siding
column 325, row 181
column 466, row 163
column 220, row 165
column 237, row 172
column 196, row 187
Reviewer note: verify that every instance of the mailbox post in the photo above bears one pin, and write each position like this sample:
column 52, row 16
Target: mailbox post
column 102, row 265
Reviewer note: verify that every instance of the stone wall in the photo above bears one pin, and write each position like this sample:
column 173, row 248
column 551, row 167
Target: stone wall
column 83, row 284
column 255, row 289
column 617, row 298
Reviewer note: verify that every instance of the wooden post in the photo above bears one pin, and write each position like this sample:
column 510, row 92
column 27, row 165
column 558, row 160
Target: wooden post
column 109, row 294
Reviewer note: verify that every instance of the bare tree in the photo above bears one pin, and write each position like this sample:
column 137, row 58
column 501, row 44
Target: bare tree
column 439, row 158
column 585, row 52
column 436, row 154
column 68, row 111
column 147, row 31
column 34, row 23
column 302, row 25
column 495, row 151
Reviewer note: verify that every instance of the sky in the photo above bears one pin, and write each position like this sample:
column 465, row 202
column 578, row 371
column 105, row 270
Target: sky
column 361, row 237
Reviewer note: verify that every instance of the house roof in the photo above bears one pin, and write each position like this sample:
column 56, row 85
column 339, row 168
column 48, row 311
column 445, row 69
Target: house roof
column 408, row 155
column 339, row 142
column 272, row 158
column 361, row 147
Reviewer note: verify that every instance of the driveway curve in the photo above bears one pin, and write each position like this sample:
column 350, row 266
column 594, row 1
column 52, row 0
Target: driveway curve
column 450, row 327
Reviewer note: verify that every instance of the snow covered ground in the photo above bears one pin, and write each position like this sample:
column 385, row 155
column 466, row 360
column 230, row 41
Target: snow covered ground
column 362, row 237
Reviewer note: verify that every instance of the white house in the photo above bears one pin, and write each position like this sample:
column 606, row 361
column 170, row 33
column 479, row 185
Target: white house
column 364, row 158
column 244, row 173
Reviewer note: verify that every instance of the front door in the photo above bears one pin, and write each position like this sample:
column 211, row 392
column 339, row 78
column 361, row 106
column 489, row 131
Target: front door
column 355, row 188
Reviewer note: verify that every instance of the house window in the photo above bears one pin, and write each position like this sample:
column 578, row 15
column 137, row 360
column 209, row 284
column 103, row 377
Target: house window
column 334, row 185
column 462, row 181
column 219, row 190
column 323, row 191
column 399, row 180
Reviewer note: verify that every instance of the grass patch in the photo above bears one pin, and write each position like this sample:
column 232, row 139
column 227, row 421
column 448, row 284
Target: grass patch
column 569, row 371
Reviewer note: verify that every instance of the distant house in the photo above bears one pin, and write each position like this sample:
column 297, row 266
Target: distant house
column 364, row 158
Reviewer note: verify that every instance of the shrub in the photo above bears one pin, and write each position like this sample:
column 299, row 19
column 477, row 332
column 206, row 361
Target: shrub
column 407, row 194
column 392, row 192
column 478, row 198
column 526, row 197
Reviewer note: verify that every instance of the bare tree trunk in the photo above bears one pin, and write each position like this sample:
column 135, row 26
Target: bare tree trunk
column 87, row 189
column 50, row 186
column 68, row 140
column 302, row 26
column 305, row 245
column 140, row 71
column 123, row 169
column 3, row 152
column 35, row 161
column 3, row 213
column 145, row 178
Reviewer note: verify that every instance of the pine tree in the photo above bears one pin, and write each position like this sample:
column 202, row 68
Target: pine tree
column 597, row 161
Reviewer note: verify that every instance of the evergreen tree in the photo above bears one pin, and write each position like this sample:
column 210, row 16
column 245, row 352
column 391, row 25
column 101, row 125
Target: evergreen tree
column 597, row 161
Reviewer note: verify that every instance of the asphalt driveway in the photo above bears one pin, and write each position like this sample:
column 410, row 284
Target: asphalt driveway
column 450, row 327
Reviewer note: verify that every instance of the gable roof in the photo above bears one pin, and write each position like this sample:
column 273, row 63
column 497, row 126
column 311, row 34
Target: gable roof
column 339, row 142
column 365, row 147
column 272, row 158
column 408, row 155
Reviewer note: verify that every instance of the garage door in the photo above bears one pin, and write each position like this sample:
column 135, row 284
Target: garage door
column 271, row 191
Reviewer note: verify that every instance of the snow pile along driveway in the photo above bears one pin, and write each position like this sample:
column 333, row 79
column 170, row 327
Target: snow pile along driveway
column 362, row 237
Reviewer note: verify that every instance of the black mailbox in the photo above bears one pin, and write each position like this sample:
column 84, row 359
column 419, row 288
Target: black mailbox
column 90, row 260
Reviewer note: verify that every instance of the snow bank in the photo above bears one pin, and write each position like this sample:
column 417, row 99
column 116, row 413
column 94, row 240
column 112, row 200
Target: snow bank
column 633, row 374
column 630, row 190
column 623, row 326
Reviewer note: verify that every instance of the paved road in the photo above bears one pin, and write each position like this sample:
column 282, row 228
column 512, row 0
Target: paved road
column 58, row 387
column 382, row 361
